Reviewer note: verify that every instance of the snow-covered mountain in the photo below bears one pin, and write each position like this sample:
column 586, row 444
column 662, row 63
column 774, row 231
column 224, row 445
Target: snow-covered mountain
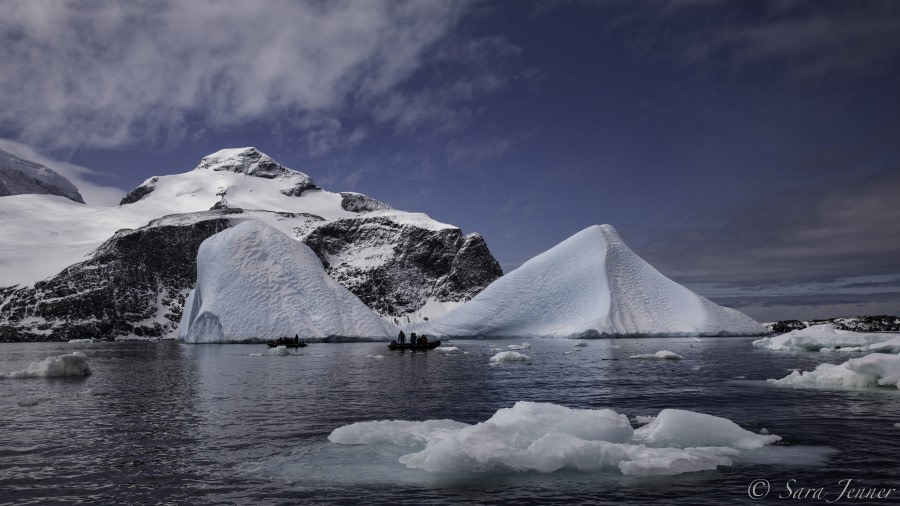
column 86, row 271
column 255, row 283
column 589, row 285
column 19, row 176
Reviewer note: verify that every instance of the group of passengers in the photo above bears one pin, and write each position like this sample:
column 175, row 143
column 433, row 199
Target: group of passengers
column 401, row 339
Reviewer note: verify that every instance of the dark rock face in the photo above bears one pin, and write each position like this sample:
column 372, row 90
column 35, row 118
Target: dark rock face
column 135, row 283
column 785, row 326
column 394, row 268
column 19, row 176
column 359, row 203
column 878, row 323
column 140, row 192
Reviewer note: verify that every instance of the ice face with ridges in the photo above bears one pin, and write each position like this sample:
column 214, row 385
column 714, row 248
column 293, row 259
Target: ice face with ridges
column 255, row 283
column 591, row 284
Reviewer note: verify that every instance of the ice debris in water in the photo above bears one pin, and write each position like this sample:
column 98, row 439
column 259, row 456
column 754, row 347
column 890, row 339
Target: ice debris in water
column 546, row 437
column 375, row 356
column 873, row 370
column 279, row 350
column 644, row 419
column 659, row 355
column 510, row 356
column 68, row 365
column 447, row 349
column 817, row 337
column 523, row 346
column 580, row 343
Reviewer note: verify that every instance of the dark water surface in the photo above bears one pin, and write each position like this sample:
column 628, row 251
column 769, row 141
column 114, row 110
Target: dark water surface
column 207, row 424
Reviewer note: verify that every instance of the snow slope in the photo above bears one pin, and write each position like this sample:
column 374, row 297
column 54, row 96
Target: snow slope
column 43, row 234
column 256, row 283
column 591, row 284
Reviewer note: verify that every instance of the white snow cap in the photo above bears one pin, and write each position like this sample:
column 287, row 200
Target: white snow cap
column 545, row 437
column 256, row 283
column 589, row 285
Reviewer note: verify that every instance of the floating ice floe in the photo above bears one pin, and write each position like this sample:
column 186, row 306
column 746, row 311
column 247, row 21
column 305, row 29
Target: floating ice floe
column 659, row 355
column 377, row 357
column 579, row 343
column 890, row 346
column 523, row 346
column 818, row 337
column 510, row 356
column 641, row 419
column 280, row 351
column 446, row 349
column 68, row 365
column 547, row 437
column 873, row 370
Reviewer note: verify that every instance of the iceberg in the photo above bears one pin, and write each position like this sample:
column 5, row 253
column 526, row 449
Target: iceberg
column 818, row 337
column 590, row 285
column 873, row 370
column 63, row 366
column 545, row 437
column 255, row 283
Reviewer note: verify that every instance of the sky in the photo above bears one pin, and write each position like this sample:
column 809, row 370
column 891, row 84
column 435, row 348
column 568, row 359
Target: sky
column 747, row 149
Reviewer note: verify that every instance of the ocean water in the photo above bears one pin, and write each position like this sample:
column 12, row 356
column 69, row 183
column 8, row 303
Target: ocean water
column 209, row 424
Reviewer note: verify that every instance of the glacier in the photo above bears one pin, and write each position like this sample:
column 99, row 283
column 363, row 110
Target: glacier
column 256, row 283
column 590, row 285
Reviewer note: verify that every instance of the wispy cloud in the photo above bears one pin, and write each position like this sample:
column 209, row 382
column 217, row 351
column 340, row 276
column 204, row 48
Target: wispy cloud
column 113, row 74
column 825, row 230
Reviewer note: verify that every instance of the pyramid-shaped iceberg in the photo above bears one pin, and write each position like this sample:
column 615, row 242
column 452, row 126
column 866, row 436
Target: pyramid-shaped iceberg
column 591, row 284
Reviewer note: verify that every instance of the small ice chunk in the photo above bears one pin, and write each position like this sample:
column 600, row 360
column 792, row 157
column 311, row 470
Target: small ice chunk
column 659, row 355
column 580, row 343
column 279, row 351
column 68, row 365
column 764, row 431
column 644, row 419
column 510, row 356
column 523, row 346
column 683, row 429
column 698, row 340
column 375, row 356
column 889, row 346
column 447, row 349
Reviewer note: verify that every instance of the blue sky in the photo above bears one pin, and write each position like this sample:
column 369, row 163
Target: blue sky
column 746, row 149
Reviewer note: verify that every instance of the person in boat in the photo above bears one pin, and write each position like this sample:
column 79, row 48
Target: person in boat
column 401, row 338
column 423, row 339
column 296, row 338
column 412, row 338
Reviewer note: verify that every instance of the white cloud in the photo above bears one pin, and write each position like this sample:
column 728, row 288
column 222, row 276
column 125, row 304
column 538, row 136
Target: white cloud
column 113, row 74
